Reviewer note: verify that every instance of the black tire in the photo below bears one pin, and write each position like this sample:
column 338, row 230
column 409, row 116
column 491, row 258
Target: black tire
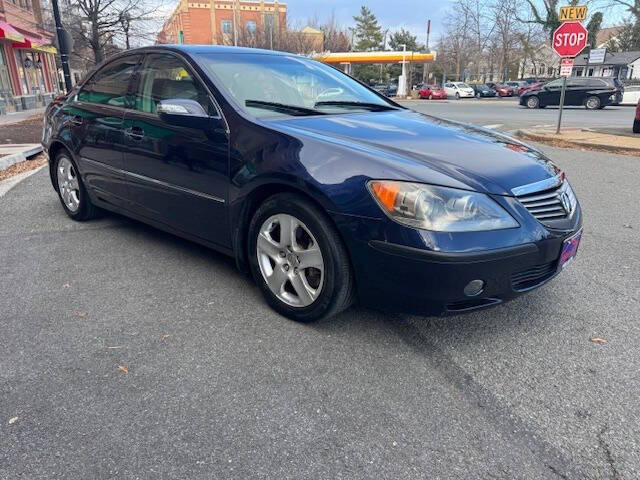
column 592, row 103
column 431, row 96
column 86, row 210
column 478, row 95
column 457, row 96
column 533, row 102
column 636, row 126
column 338, row 287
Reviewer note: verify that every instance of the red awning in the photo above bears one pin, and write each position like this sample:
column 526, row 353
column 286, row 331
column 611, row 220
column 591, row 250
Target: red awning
column 10, row 33
column 29, row 42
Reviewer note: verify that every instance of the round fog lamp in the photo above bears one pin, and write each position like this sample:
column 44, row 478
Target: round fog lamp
column 474, row 288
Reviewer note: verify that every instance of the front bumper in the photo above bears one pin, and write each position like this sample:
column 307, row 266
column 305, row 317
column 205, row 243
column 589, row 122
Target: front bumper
column 393, row 276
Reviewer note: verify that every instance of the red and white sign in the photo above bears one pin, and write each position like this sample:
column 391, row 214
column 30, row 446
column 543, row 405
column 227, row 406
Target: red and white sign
column 566, row 66
column 569, row 39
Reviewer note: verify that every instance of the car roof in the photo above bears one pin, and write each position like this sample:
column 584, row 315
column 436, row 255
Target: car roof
column 200, row 49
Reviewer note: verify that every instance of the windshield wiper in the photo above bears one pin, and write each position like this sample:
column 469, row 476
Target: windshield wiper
column 374, row 107
column 283, row 108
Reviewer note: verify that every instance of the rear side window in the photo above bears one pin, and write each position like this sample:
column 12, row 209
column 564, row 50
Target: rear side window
column 110, row 84
column 165, row 77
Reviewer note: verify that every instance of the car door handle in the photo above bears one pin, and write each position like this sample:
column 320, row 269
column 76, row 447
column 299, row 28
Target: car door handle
column 76, row 120
column 136, row 133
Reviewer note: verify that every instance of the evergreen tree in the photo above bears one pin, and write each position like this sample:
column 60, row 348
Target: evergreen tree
column 593, row 27
column 405, row 37
column 367, row 31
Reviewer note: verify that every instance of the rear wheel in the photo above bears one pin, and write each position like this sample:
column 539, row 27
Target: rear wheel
column 431, row 96
column 478, row 95
column 592, row 103
column 636, row 126
column 533, row 102
column 71, row 190
column 298, row 259
column 457, row 96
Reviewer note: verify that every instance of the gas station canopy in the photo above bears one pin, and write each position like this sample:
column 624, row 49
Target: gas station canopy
column 376, row 57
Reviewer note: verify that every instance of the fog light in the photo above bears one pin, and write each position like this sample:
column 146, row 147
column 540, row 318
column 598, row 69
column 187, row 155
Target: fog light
column 474, row 288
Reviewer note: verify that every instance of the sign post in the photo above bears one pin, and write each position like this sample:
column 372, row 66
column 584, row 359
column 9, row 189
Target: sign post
column 569, row 40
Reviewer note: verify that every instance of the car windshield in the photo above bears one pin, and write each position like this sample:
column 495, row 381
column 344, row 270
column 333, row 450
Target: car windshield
column 277, row 85
column 462, row 85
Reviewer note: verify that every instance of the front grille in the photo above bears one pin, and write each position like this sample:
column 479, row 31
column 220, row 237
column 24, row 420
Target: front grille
column 533, row 276
column 548, row 204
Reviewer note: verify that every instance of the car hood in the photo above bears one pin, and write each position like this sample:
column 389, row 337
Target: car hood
column 412, row 146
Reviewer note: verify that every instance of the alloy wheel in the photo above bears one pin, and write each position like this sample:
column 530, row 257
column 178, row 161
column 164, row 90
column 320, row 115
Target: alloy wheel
column 593, row 103
column 68, row 184
column 290, row 260
column 532, row 102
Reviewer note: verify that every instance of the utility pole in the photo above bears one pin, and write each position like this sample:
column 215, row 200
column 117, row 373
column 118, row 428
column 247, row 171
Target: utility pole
column 64, row 43
column 425, row 67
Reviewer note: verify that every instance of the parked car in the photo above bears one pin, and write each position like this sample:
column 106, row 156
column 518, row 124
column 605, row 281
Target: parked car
column 529, row 87
column 482, row 90
column 516, row 85
column 501, row 90
column 592, row 92
column 388, row 90
column 323, row 194
column 432, row 92
column 458, row 90
column 636, row 120
column 631, row 95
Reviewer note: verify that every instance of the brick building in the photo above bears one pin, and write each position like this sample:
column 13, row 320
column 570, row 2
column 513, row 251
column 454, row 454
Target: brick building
column 28, row 76
column 212, row 21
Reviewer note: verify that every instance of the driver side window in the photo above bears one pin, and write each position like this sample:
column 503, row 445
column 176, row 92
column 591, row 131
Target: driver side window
column 165, row 77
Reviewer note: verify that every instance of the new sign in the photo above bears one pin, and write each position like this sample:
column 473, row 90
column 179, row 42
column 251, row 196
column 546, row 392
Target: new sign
column 572, row 13
column 569, row 39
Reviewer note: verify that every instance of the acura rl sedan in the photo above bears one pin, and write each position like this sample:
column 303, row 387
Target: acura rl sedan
column 320, row 187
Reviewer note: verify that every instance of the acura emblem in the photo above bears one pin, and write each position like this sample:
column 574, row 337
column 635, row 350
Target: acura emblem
column 566, row 202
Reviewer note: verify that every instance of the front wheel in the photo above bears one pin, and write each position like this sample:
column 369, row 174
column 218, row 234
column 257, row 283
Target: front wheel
column 533, row 102
column 636, row 126
column 298, row 259
column 478, row 95
column 592, row 103
column 73, row 195
column 430, row 96
column 457, row 96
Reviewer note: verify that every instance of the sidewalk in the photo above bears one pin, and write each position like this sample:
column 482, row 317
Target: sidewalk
column 620, row 141
column 17, row 117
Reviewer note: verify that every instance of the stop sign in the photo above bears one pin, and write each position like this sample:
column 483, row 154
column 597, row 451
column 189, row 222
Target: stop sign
column 569, row 39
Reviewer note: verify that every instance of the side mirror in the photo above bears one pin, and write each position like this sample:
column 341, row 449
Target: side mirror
column 182, row 112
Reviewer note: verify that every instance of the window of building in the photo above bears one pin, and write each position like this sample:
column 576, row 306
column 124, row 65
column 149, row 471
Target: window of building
column 22, row 73
column 165, row 77
column 251, row 27
column 109, row 85
column 226, row 27
column 5, row 79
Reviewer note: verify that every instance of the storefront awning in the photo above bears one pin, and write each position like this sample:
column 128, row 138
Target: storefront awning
column 10, row 33
column 34, row 44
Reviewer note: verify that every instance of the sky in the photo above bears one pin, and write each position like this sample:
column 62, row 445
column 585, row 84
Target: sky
column 411, row 15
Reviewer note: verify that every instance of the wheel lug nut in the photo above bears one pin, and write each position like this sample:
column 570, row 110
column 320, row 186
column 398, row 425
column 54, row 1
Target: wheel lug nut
column 286, row 267
column 282, row 254
column 295, row 271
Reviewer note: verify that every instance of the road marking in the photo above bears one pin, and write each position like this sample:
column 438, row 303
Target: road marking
column 493, row 126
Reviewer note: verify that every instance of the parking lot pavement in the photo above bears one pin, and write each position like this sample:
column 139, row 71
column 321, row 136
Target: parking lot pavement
column 129, row 353
column 507, row 115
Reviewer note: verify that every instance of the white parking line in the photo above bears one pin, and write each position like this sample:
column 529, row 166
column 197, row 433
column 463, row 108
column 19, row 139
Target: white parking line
column 493, row 126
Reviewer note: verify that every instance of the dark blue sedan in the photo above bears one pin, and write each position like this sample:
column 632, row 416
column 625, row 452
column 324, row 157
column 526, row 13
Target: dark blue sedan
column 322, row 188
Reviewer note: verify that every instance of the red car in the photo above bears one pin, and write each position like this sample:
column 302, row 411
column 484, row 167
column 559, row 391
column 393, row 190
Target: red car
column 530, row 88
column 432, row 92
column 636, row 121
column 501, row 90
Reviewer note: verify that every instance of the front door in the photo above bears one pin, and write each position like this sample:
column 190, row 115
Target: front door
column 176, row 175
column 95, row 119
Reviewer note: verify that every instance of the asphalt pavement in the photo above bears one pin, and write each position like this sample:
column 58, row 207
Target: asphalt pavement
column 506, row 114
column 126, row 352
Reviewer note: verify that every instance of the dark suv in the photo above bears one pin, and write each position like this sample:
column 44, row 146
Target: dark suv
column 592, row 92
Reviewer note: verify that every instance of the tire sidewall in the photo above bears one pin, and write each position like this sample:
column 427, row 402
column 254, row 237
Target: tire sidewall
column 598, row 103
column 303, row 211
column 82, row 210
column 535, row 102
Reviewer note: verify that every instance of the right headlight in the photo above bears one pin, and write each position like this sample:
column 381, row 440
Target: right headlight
column 440, row 209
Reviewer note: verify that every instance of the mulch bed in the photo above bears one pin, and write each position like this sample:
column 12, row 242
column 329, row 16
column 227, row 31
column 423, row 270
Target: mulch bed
column 30, row 164
column 27, row 131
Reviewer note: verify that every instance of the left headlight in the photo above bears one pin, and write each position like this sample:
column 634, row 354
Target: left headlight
column 440, row 209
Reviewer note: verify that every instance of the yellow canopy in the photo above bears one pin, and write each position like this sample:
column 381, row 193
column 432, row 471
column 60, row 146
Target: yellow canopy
column 376, row 57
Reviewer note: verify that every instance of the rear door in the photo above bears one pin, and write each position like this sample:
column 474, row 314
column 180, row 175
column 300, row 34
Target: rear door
column 96, row 116
column 550, row 93
column 176, row 175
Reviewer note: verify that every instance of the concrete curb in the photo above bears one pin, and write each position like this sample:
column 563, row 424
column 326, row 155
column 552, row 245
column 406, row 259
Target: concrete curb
column 9, row 183
column 551, row 139
column 9, row 160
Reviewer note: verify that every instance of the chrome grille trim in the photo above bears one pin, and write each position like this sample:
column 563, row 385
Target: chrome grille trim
column 547, row 204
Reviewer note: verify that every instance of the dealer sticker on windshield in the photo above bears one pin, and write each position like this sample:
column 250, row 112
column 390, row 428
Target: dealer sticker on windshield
column 570, row 248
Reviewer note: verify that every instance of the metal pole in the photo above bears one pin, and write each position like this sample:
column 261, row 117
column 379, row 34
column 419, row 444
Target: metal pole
column 564, row 87
column 62, row 45
column 425, row 66
column 235, row 24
